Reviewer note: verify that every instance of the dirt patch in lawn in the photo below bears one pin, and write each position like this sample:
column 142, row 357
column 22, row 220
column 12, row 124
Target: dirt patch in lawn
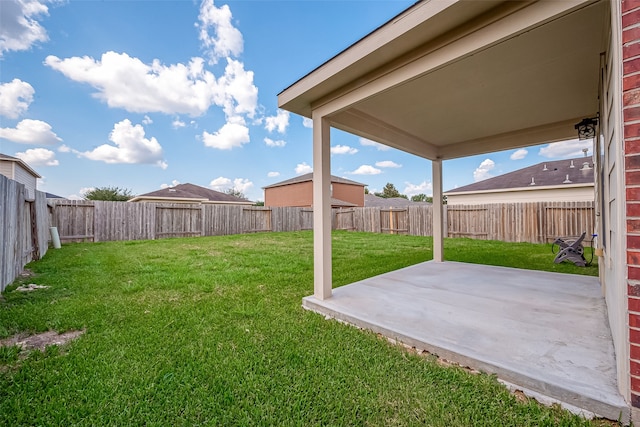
column 40, row 341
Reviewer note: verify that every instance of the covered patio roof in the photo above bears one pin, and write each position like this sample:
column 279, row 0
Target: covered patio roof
column 448, row 78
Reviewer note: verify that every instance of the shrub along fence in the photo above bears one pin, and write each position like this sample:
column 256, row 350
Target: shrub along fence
column 98, row 221
column 24, row 229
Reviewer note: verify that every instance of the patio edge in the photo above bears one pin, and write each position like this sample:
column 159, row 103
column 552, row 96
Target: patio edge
column 566, row 398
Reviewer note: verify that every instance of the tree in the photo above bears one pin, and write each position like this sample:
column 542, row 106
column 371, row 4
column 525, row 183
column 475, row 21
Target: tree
column 259, row 203
column 390, row 191
column 236, row 193
column 112, row 194
column 366, row 190
column 421, row 198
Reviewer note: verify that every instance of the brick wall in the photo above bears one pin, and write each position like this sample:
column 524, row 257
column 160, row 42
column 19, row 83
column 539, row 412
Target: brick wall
column 631, row 122
column 348, row 193
column 299, row 194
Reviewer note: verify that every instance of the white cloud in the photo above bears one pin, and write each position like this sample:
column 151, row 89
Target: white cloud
column 273, row 174
column 369, row 143
column 223, row 184
column 343, row 149
column 484, row 170
column 366, row 170
column 242, row 184
column 278, row 122
column 147, row 120
column 271, row 143
column 15, row 98
column 423, row 188
column 38, row 157
column 19, row 28
column 217, row 33
column 128, row 83
column 30, row 131
column 566, row 149
column 173, row 89
column 519, row 154
column 388, row 164
column 302, row 168
column 64, row 149
column 307, row 122
column 229, row 136
column 235, row 91
column 173, row 184
column 220, row 184
column 177, row 123
column 130, row 147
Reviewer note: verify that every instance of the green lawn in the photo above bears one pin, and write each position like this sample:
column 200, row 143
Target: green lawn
column 210, row 331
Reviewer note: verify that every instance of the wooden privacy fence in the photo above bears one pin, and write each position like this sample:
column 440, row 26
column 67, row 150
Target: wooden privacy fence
column 99, row 221
column 24, row 229
column 539, row 222
column 517, row 222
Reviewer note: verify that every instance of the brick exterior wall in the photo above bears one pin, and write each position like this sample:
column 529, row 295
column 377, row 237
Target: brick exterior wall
column 631, row 122
column 349, row 193
column 301, row 194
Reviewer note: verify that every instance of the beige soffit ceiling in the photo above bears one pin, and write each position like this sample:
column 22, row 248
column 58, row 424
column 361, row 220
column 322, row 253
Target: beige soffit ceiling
column 447, row 79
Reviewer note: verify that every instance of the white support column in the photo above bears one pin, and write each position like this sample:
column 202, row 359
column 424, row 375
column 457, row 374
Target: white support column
column 322, row 281
column 438, row 223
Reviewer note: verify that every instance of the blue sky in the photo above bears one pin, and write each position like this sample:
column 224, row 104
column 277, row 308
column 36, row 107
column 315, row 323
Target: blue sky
column 147, row 94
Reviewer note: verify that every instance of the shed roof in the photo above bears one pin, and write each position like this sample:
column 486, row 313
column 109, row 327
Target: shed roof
column 309, row 177
column 556, row 173
column 21, row 163
column 191, row 191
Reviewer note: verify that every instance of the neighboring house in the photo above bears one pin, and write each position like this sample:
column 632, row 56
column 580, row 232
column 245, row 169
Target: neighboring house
column 373, row 201
column 428, row 83
column 298, row 192
column 18, row 170
column 568, row 180
column 190, row 193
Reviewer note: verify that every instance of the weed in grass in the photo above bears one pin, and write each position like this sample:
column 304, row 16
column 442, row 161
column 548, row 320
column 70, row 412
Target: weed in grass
column 9, row 354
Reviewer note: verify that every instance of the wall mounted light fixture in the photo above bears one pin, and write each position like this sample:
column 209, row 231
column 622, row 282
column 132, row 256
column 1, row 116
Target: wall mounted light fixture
column 587, row 128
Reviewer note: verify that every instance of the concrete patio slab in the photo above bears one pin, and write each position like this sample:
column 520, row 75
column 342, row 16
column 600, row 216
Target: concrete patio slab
column 541, row 331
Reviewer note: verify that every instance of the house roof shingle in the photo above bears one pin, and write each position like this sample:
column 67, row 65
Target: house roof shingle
column 309, row 177
column 556, row 173
column 373, row 201
column 337, row 203
column 191, row 191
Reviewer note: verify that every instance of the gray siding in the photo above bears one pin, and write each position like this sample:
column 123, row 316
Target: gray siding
column 13, row 170
column 23, row 176
column 6, row 169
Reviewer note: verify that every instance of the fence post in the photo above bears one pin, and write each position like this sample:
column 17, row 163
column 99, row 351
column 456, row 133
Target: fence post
column 445, row 220
column 202, row 215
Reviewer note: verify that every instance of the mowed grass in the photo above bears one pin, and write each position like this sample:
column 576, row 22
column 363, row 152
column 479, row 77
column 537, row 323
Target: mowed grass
column 210, row 331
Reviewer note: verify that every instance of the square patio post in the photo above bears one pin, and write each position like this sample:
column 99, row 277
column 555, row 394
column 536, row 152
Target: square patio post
column 322, row 281
column 438, row 246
